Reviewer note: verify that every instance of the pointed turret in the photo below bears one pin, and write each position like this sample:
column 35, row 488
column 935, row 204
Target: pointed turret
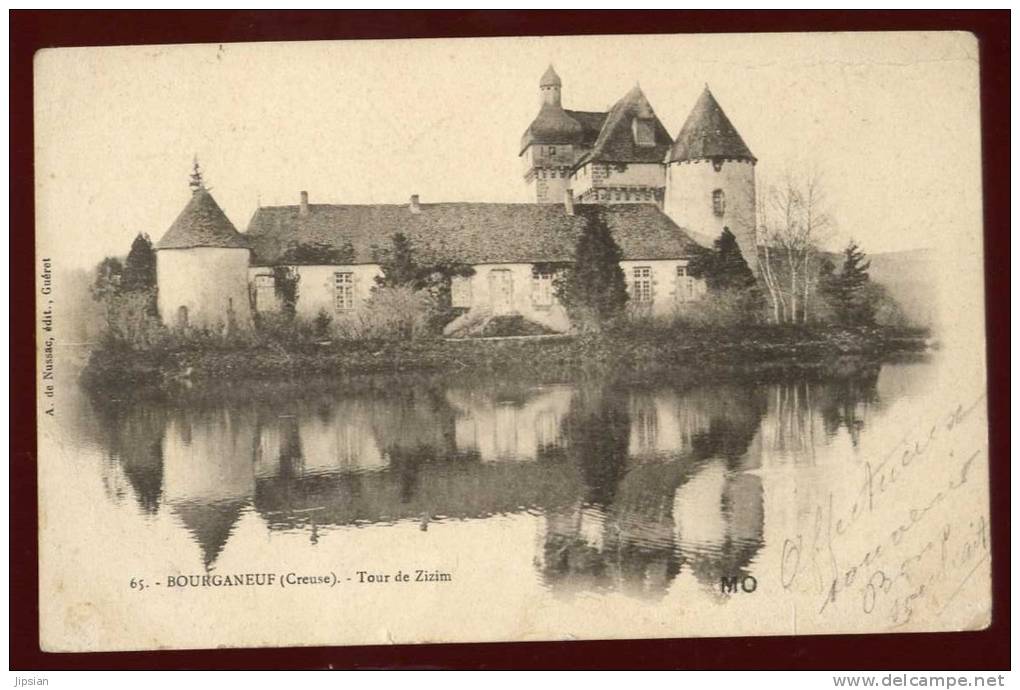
column 202, row 266
column 708, row 133
column 710, row 179
column 549, row 141
column 202, row 223
column 550, row 78
column 549, row 86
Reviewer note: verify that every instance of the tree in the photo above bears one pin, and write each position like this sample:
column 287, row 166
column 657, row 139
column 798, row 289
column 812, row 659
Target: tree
column 140, row 267
column 848, row 292
column 285, row 285
column 130, row 315
column 415, row 285
column 791, row 218
column 726, row 268
column 594, row 289
column 107, row 280
column 735, row 295
column 397, row 263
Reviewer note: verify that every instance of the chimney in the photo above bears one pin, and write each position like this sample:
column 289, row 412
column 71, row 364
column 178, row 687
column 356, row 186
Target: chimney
column 415, row 206
column 303, row 211
column 568, row 201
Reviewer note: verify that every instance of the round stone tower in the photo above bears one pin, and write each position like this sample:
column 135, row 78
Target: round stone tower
column 202, row 269
column 710, row 179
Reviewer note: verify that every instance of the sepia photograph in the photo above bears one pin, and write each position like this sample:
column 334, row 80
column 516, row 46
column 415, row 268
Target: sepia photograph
column 510, row 339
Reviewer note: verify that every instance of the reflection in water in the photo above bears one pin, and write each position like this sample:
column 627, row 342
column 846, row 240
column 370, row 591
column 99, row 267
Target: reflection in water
column 631, row 485
column 133, row 437
column 806, row 410
column 663, row 489
column 208, row 497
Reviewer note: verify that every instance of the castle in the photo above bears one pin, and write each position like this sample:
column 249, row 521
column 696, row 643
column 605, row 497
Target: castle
column 652, row 191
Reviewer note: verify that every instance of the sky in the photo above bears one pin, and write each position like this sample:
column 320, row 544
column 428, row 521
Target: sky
column 890, row 120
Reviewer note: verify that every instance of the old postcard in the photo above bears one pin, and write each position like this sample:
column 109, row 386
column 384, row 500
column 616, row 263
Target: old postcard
column 473, row 340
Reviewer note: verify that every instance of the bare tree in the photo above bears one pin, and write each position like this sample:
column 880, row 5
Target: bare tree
column 792, row 218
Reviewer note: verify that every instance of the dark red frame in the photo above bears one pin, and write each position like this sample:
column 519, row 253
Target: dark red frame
column 32, row 30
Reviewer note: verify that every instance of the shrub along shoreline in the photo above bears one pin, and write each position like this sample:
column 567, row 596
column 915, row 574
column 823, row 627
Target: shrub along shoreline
column 631, row 352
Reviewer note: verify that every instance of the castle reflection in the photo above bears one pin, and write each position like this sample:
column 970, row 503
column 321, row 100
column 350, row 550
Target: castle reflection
column 632, row 485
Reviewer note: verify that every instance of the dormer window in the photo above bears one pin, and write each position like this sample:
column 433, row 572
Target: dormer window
column 644, row 132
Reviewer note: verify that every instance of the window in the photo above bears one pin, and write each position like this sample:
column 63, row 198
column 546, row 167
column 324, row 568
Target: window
column 265, row 293
column 644, row 132
column 542, row 289
column 642, row 292
column 646, row 424
column 343, row 291
column 552, row 150
column 684, row 284
column 460, row 291
column 718, row 202
column 547, row 429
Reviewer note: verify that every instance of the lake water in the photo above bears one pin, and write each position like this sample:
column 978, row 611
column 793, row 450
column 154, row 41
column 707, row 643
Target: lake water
column 565, row 494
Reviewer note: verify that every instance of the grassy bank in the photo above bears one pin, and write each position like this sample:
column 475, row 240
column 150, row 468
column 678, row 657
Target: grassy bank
column 636, row 352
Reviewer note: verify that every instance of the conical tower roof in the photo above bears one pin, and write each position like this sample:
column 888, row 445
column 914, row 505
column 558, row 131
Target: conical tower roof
column 708, row 133
column 550, row 78
column 202, row 223
column 210, row 525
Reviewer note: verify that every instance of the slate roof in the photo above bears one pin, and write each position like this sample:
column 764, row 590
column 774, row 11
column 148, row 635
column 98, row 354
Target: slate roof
column 591, row 124
column 202, row 223
column 470, row 233
column 552, row 125
column 708, row 133
column 615, row 143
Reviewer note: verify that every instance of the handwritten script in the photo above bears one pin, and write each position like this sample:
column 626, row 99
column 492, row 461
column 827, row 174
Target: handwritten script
column 908, row 535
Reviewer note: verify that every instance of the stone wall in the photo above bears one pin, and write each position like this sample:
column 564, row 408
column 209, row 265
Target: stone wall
column 622, row 183
column 547, row 171
column 513, row 289
column 495, row 289
column 206, row 286
column 316, row 288
column 689, row 189
column 669, row 291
